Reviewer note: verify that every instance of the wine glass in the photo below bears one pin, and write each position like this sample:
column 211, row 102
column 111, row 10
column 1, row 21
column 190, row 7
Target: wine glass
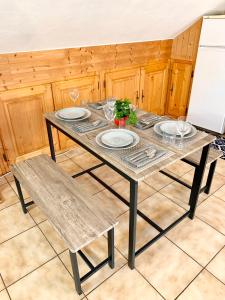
column 74, row 95
column 109, row 112
column 182, row 127
column 111, row 102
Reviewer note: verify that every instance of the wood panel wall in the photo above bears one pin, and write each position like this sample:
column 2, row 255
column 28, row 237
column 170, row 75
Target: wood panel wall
column 32, row 68
column 185, row 45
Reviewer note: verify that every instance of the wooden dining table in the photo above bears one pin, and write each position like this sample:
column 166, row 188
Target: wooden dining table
column 87, row 141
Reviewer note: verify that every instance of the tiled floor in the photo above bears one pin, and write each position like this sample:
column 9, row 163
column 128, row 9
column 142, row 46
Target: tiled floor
column 188, row 263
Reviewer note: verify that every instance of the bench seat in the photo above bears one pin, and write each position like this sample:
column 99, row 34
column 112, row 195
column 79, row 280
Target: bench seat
column 212, row 156
column 67, row 206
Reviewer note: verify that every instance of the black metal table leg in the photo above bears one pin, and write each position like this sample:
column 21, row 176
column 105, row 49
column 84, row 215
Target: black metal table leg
column 210, row 177
column 76, row 275
column 132, row 223
column 197, row 181
column 111, row 248
column 50, row 139
column 20, row 193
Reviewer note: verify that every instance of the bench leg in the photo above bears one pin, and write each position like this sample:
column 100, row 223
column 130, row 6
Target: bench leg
column 210, row 177
column 20, row 193
column 76, row 275
column 111, row 248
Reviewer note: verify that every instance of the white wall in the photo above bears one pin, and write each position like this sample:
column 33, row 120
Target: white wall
column 27, row 25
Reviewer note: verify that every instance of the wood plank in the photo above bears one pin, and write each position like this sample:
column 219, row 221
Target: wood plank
column 66, row 205
column 213, row 155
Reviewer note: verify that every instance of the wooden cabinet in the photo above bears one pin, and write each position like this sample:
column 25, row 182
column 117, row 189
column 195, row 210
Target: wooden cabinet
column 179, row 88
column 4, row 168
column 123, row 84
column 22, row 123
column 153, row 87
column 89, row 91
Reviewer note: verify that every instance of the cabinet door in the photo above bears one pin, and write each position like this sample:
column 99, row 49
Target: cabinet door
column 22, row 122
column 179, row 89
column 123, row 84
column 89, row 91
column 154, row 83
column 3, row 163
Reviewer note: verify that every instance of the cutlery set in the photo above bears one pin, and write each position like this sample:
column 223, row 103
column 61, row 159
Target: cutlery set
column 88, row 126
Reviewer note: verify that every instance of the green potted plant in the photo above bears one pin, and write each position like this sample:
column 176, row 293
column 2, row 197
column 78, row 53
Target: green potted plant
column 124, row 113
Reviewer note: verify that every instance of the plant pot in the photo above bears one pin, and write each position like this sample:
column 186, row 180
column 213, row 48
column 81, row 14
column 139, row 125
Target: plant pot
column 121, row 122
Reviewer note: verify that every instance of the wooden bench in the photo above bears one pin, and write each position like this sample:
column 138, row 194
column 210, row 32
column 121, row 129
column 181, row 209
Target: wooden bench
column 194, row 160
column 68, row 208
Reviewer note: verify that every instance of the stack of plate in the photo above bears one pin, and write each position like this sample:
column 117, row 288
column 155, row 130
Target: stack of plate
column 170, row 128
column 117, row 139
column 73, row 114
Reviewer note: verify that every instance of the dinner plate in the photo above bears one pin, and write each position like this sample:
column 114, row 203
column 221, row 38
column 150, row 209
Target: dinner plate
column 85, row 116
column 170, row 127
column 117, row 138
column 71, row 113
column 187, row 136
column 136, row 139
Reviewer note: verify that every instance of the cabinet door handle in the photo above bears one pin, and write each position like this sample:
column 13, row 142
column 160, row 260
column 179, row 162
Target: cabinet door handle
column 142, row 96
column 171, row 90
column 137, row 97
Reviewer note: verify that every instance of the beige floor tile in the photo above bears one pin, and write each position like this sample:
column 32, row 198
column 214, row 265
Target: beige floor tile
column 180, row 194
column 158, row 181
column 61, row 158
column 220, row 167
column 22, row 254
column 123, row 188
column 13, row 221
column 50, row 282
column 7, row 196
column 212, row 211
column 37, row 213
column 125, row 284
column 218, row 180
column 179, row 168
column 217, row 266
column 145, row 232
column 1, row 284
column 96, row 252
column 108, row 175
column 204, row 287
column 75, row 151
column 197, row 239
column 2, row 180
column 85, row 160
column 167, row 268
column 53, row 237
column 25, row 193
column 110, row 202
column 220, row 193
column 89, row 184
column 69, row 167
column 4, row 295
column 161, row 210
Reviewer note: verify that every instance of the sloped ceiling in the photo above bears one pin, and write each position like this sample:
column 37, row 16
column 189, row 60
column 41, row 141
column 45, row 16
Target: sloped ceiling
column 27, row 25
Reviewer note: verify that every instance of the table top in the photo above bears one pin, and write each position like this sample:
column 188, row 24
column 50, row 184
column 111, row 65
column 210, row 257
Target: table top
column 87, row 141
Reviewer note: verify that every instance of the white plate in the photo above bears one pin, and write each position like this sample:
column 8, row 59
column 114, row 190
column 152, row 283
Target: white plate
column 187, row 136
column 71, row 113
column 86, row 115
column 170, row 127
column 136, row 139
column 117, row 138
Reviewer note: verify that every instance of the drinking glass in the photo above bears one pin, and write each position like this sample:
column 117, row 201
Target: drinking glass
column 168, row 138
column 109, row 112
column 182, row 127
column 111, row 102
column 74, row 95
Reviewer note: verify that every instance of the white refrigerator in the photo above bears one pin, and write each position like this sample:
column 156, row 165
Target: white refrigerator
column 207, row 101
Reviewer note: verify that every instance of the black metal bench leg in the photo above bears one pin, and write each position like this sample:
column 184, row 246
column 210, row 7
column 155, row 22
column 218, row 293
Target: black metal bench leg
column 76, row 275
column 210, row 177
column 197, row 181
column 20, row 193
column 111, row 248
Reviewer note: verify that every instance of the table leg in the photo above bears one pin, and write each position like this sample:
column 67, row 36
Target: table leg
column 50, row 139
column 132, row 223
column 210, row 177
column 197, row 181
